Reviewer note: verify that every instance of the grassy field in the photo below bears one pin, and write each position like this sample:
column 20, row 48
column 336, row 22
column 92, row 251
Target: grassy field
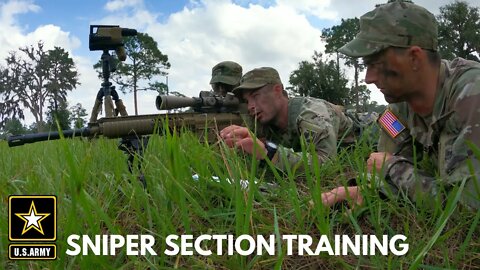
column 97, row 195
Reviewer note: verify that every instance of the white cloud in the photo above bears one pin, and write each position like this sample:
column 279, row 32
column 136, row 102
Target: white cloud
column 52, row 36
column 316, row 8
column 115, row 5
column 349, row 8
column 14, row 36
column 11, row 36
column 11, row 8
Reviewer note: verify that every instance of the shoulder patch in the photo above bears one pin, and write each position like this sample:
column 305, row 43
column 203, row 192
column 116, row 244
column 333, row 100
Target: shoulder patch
column 390, row 123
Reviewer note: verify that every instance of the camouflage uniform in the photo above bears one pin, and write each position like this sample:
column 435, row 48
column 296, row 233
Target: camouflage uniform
column 455, row 118
column 442, row 137
column 319, row 122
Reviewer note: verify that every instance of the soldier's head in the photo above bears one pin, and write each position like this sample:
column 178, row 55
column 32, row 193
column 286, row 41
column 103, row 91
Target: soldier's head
column 263, row 91
column 226, row 75
column 397, row 41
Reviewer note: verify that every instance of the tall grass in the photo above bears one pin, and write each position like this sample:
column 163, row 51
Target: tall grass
column 97, row 195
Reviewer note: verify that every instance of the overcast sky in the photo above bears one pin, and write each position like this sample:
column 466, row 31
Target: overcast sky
column 195, row 35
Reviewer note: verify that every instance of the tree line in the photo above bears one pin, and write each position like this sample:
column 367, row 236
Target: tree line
column 36, row 79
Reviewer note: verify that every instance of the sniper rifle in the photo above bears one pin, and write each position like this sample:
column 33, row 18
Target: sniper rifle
column 211, row 114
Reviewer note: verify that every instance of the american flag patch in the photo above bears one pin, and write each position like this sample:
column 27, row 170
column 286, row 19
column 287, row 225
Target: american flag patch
column 391, row 124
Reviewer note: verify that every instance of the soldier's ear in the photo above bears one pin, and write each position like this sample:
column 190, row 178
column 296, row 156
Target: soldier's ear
column 416, row 56
column 278, row 89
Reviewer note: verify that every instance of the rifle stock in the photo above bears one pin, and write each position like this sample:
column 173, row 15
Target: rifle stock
column 203, row 124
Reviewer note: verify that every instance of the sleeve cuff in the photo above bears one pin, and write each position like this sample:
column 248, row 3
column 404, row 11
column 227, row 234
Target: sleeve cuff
column 394, row 160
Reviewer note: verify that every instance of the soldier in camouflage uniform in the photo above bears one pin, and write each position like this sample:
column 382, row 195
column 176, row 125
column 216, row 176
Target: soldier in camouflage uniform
column 434, row 105
column 285, row 121
column 226, row 75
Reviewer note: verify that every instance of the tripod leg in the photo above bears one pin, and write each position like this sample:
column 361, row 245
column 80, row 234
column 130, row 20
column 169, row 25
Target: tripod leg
column 95, row 111
column 109, row 109
column 121, row 108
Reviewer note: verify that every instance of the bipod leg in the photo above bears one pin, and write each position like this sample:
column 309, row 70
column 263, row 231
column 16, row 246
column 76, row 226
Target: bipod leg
column 132, row 146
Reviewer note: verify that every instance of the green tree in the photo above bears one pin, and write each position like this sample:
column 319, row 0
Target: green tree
column 458, row 31
column 77, row 116
column 33, row 128
column 145, row 61
column 10, row 104
column 63, row 76
column 58, row 112
column 29, row 79
column 364, row 96
column 13, row 126
column 160, row 87
column 375, row 107
column 336, row 37
column 319, row 79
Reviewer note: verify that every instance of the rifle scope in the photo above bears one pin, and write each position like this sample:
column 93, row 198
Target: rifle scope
column 206, row 102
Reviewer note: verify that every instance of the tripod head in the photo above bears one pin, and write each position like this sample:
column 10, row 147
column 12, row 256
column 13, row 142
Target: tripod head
column 109, row 37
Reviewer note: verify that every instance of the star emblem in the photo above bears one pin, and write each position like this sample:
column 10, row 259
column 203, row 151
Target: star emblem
column 32, row 219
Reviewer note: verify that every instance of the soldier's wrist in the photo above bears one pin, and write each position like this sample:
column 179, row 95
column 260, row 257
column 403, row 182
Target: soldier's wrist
column 271, row 153
column 395, row 161
column 271, row 149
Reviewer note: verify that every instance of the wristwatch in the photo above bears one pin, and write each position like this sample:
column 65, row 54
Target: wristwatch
column 271, row 149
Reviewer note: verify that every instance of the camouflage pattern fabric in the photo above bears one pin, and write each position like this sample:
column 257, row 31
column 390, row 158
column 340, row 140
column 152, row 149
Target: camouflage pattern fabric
column 257, row 78
column 316, row 121
column 398, row 23
column 227, row 72
column 442, row 137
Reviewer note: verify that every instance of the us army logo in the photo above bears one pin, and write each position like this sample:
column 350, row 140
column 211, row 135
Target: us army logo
column 33, row 219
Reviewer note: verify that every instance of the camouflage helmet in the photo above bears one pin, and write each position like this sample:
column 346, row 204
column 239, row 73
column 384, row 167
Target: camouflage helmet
column 399, row 23
column 257, row 78
column 227, row 72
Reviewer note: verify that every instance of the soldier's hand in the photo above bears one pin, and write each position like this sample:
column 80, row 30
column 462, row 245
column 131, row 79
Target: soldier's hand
column 340, row 194
column 234, row 133
column 239, row 137
column 247, row 145
column 376, row 161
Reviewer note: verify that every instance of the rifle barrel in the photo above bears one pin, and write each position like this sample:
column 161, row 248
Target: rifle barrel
column 18, row 140
column 140, row 125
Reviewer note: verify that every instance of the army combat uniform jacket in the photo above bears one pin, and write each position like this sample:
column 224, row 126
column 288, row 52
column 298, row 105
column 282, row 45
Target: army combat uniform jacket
column 443, row 136
column 318, row 122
